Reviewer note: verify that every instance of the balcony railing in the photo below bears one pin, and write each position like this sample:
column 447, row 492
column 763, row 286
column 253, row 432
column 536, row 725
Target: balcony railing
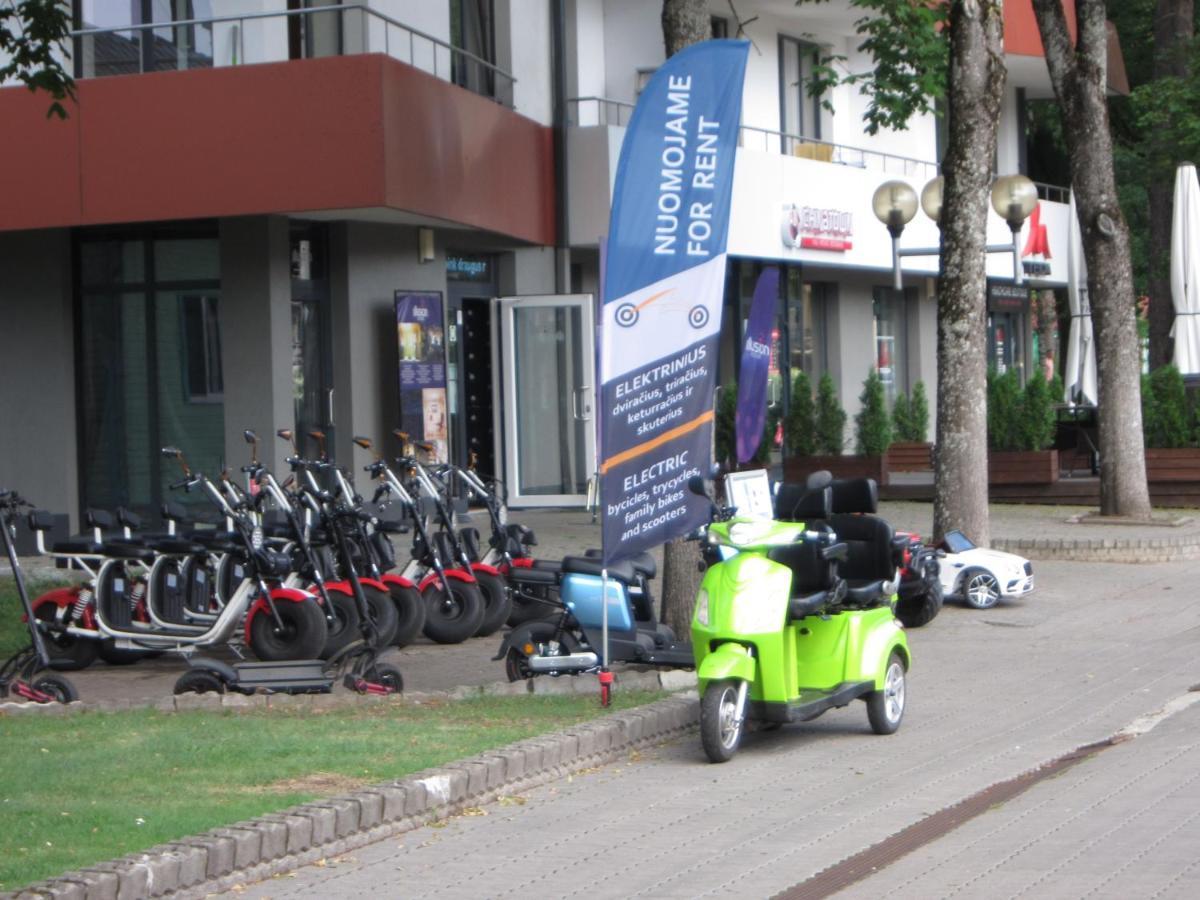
column 275, row 36
column 585, row 111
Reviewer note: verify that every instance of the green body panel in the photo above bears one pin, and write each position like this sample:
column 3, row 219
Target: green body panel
column 727, row 661
column 747, row 607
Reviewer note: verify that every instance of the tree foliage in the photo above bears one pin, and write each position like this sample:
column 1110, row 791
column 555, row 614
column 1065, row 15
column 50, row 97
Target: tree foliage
column 1167, row 418
column 831, row 418
column 872, row 425
column 907, row 45
column 800, row 426
column 30, row 33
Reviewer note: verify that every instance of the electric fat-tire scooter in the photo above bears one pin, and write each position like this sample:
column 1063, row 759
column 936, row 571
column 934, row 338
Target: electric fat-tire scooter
column 779, row 636
column 25, row 674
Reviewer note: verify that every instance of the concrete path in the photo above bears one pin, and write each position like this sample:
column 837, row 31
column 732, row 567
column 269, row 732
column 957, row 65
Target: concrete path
column 991, row 695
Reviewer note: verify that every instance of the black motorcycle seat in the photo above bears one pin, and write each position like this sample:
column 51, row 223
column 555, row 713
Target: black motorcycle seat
column 527, row 575
column 171, row 546
column 216, row 541
column 74, row 548
column 391, row 526
column 548, row 565
column 643, row 563
column 811, row 604
column 866, row 594
column 126, row 550
column 583, row 565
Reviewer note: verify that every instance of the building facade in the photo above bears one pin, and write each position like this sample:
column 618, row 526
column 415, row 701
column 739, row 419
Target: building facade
column 216, row 237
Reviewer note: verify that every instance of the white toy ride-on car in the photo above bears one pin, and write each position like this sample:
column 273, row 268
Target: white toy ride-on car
column 981, row 577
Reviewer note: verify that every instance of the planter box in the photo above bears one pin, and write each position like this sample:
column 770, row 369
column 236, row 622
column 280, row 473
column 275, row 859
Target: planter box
column 1022, row 466
column 797, row 468
column 910, row 457
column 1177, row 464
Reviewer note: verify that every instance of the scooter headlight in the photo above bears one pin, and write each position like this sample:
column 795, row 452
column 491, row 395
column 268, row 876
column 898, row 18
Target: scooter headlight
column 702, row 607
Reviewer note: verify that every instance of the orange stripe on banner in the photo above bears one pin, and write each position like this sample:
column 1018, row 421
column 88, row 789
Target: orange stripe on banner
column 652, row 298
column 677, row 431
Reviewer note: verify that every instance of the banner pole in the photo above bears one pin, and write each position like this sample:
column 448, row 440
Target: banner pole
column 605, row 675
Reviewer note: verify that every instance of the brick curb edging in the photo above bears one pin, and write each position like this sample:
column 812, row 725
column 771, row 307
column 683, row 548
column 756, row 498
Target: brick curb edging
column 1115, row 550
column 268, row 845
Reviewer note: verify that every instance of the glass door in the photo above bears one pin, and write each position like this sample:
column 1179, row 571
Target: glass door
column 548, row 394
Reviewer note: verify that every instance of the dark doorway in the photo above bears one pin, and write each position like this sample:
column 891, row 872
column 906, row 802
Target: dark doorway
column 312, row 349
column 470, row 282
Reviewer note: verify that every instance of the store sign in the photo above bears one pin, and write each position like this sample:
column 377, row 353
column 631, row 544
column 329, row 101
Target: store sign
column 1007, row 297
column 420, row 332
column 813, row 228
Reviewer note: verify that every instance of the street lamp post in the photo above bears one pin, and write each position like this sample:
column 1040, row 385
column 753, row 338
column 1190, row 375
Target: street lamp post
column 895, row 203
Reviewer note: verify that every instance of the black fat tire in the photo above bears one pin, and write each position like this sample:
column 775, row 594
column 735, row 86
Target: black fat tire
column 387, row 675
column 68, row 653
column 516, row 663
column 384, row 615
column 304, row 633
column 341, row 627
column 410, row 614
column 920, row 609
column 57, row 686
column 453, row 619
column 199, row 681
column 883, row 717
column 498, row 602
column 719, row 744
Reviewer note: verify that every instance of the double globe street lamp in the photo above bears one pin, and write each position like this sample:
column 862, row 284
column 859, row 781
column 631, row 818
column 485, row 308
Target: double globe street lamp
column 1014, row 197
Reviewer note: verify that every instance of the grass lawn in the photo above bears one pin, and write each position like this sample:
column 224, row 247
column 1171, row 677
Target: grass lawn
column 79, row 789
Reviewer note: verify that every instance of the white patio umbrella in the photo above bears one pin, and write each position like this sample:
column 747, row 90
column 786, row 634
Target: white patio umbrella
column 1080, row 380
column 1185, row 269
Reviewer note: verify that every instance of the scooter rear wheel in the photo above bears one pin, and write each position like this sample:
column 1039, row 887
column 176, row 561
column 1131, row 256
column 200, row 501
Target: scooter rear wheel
column 199, row 681
column 384, row 615
column 302, row 637
column 342, row 623
column 410, row 611
column 68, row 652
column 57, row 686
column 721, row 722
column 497, row 603
column 516, row 662
column 454, row 617
column 885, row 709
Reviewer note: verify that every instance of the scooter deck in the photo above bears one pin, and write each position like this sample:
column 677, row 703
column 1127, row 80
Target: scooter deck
column 811, row 703
column 305, row 676
column 677, row 656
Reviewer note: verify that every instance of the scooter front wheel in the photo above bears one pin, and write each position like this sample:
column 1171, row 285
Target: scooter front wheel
column 303, row 634
column 722, row 719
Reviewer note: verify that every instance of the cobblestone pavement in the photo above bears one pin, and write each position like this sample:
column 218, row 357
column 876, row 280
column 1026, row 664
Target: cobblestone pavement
column 991, row 695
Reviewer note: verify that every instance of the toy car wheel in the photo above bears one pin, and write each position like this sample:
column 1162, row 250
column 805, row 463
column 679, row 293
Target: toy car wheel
column 980, row 589
column 885, row 708
column 721, row 720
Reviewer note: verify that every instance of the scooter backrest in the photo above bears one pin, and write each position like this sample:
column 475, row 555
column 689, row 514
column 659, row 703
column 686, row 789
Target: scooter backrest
column 810, row 573
column 98, row 518
column 855, row 495
column 869, row 543
column 128, row 518
column 796, row 503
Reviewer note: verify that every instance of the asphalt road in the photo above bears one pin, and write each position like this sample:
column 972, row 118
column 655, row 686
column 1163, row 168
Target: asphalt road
column 991, row 695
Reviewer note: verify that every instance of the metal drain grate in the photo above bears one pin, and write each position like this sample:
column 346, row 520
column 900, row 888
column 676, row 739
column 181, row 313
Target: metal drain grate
column 867, row 862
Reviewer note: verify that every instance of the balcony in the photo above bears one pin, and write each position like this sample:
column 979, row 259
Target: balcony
column 802, row 200
column 277, row 36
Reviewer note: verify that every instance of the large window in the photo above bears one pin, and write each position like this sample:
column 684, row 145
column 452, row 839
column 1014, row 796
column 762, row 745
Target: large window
column 799, row 113
column 149, row 363
column 891, row 339
column 124, row 52
column 472, row 28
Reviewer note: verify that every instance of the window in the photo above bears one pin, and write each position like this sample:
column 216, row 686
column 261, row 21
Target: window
column 202, row 348
column 799, row 113
column 472, row 29
column 142, row 50
column 720, row 27
column 806, row 302
column 891, row 339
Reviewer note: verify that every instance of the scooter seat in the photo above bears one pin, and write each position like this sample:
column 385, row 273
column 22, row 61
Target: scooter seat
column 391, row 526
column 73, row 548
column 216, row 541
column 643, row 563
column 809, row 605
column 526, row 575
column 171, row 546
column 548, row 565
column 124, row 550
column 868, row 594
column 582, row 565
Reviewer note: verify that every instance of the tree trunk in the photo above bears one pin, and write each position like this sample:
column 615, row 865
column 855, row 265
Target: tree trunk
column 1047, row 331
column 684, row 22
column 1079, row 76
column 1174, row 28
column 975, row 90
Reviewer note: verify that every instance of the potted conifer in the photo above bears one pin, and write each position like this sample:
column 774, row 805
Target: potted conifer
column 910, row 451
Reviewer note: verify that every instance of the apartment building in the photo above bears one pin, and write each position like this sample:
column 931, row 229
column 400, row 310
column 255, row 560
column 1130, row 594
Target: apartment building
column 221, row 234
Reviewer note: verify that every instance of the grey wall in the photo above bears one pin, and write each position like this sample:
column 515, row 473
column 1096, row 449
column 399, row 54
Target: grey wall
column 369, row 263
column 38, row 444
column 256, row 336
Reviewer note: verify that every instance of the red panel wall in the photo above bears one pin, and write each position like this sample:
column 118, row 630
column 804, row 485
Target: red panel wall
column 1020, row 27
column 337, row 133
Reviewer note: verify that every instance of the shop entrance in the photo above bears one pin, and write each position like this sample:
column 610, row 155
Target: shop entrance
column 1007, row 324
column 470, row 289
column 548, row 389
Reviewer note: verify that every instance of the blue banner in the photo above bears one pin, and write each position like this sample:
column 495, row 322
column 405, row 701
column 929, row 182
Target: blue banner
column 751, row 415
column 664, row 282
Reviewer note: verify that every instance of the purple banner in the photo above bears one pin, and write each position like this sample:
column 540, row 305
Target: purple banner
column 421, row 337
column 751, row 414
